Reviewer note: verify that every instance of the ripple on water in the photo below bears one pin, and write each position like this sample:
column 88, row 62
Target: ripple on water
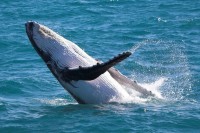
column 31, row 100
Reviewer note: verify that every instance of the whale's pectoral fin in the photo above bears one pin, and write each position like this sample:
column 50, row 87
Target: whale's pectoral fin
column 92, row 72
column 126, row 82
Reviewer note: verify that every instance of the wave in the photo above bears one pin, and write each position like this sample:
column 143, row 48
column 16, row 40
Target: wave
column 56, row 102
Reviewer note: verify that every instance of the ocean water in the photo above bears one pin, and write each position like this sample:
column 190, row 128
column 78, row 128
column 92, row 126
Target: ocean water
column 165, row 38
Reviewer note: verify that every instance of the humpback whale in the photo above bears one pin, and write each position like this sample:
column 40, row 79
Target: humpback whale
column 87, row 80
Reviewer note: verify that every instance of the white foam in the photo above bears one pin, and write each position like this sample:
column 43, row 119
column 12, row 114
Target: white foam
column 56, row 102
column 155, row 87
column 136, row 97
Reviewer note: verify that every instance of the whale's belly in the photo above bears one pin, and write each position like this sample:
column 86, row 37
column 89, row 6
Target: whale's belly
column 101, row 90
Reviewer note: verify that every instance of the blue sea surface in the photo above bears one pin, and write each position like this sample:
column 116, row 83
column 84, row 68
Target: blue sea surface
column 167, row 34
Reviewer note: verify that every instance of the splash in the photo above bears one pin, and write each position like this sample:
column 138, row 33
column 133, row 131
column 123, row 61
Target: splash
column 155, row 87
column 161, row 67
column 135, row 97
column 135, row 47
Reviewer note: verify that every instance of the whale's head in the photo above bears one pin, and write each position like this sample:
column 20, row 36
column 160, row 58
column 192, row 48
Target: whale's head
column 48, row 44
column 56, row 51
